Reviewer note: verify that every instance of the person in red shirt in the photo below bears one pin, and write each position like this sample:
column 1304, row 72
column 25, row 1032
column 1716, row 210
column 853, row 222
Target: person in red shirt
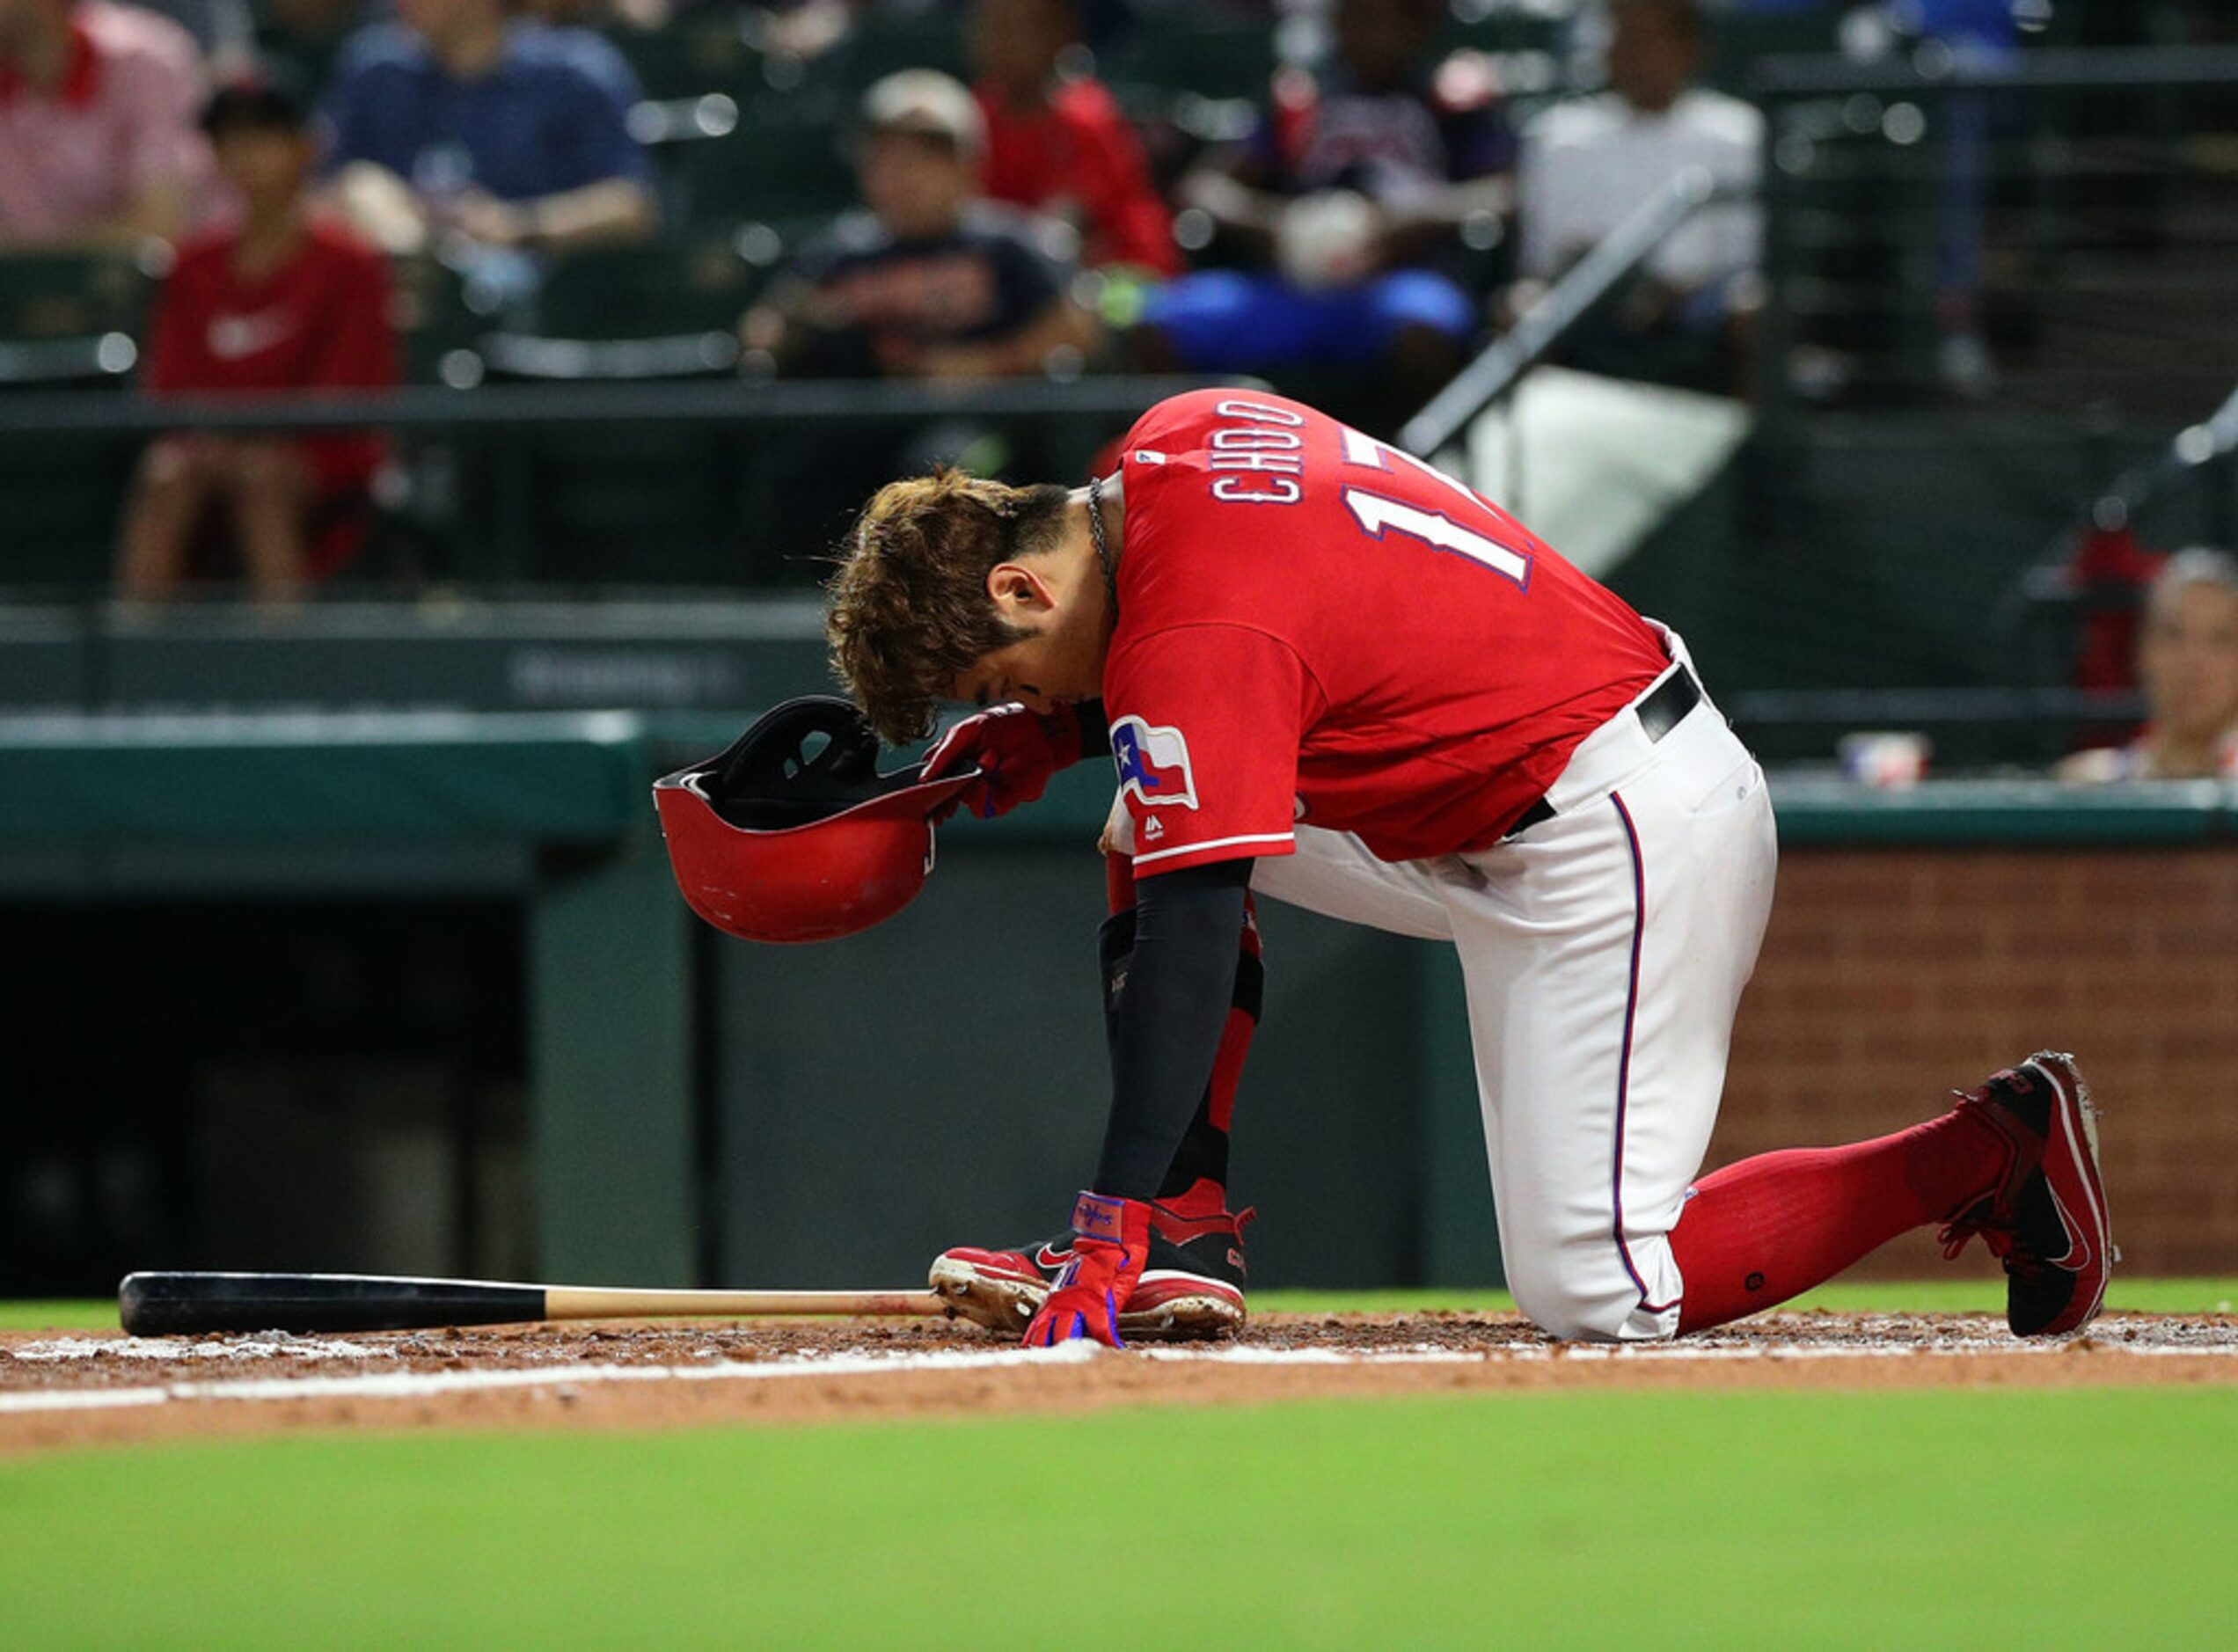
column 98, row 144
column 278, row 301
column 1331, row 673
column 1057, row 142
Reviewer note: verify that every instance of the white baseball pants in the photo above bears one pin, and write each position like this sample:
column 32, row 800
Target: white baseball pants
column 1604, row 952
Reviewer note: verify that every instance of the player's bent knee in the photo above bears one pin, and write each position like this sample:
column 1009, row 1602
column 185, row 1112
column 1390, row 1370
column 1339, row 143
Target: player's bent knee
column 1580, row 1309
column 1559, row 1314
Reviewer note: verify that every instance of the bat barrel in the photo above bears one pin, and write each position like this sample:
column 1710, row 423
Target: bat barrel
column 190, row 1304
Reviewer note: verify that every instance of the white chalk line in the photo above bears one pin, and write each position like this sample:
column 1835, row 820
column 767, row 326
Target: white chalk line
column 172, row 1348
column 423, row 1385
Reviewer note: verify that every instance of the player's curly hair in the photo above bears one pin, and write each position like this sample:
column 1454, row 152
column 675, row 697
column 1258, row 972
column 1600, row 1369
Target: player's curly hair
column 909, row 606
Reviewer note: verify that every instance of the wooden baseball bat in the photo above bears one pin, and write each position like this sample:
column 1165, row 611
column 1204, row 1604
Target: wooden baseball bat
column 190, row 1304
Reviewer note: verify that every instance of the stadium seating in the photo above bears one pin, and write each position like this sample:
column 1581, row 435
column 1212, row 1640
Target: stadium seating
column 699, row 54
column 879, row 45
column 71, row 317
column 1503, row 26
column 786, row 160
column 666, row 309
column 1744, row 37
column 627, row 507
column 67, row 319
column 1210, row 54
column 435, row 326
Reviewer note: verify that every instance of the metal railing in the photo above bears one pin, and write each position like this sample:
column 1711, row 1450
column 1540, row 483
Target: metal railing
column 2195, row 448
column 1496, row 372
column 478, row 463
column 1980, row 727
column 734, row 405
column 2049, row 584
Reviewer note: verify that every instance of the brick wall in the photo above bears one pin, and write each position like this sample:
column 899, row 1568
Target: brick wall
column 1891, row 976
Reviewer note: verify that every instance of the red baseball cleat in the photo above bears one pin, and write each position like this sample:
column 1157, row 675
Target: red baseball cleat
column 2045, row 1219
column 1192, row 1290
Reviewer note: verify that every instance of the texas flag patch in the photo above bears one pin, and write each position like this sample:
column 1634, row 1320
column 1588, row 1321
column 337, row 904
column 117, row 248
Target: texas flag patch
column 1153, row 764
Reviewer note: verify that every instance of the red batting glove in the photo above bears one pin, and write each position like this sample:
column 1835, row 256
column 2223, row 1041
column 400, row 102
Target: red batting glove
column 1015, row 749
column 1111, row 1242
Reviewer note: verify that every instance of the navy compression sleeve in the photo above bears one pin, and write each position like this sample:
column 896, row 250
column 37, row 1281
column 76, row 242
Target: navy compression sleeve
column 1178, row 984
column 1095, row 733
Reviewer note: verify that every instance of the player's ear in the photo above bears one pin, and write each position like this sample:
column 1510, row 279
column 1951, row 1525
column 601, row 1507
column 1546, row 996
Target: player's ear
column 1017, row 591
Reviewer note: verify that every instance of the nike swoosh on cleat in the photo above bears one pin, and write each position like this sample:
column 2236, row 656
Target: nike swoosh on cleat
column 2078, row 1256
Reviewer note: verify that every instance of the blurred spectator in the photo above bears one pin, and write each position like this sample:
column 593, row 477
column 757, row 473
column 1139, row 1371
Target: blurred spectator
column 2187, row 660
column 98, row 141
column 1589, row 164
column 222, row 31
column 1058, row 143
column 275, row 300
column 1348, row 187
column 803, row 30
column 929, row 282
column 1980, row 34
column 2107, row 574
column 503, row 135
column 1977, row 34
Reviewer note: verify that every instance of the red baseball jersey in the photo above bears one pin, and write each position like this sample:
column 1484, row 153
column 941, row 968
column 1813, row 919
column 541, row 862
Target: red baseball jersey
column 1314, row 626
column 320, row 321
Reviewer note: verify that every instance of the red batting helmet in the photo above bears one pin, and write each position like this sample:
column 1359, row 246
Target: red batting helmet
column 793, row 834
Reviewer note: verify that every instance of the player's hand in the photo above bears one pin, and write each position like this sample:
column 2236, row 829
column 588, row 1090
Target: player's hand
column 1111, row 1242
column 1016, row 751
column 1118, row 835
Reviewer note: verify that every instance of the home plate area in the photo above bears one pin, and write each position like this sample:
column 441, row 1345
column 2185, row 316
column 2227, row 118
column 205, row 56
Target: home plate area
column 57, row 1389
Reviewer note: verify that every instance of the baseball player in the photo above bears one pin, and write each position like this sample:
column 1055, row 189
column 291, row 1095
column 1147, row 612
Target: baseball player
column 1335, row 676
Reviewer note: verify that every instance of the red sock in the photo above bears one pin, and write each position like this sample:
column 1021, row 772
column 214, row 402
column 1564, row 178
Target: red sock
column 1118, row 883
column 1759, row 1231
column 1235, row 1037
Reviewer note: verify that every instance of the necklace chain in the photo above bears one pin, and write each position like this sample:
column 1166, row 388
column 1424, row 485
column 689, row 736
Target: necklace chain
column 1103, row 549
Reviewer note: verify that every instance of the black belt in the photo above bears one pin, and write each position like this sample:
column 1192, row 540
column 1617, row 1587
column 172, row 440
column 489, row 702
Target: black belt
column 1659, row 712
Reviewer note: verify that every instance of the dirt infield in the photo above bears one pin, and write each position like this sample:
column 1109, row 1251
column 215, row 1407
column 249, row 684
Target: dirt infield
column 64, row 1389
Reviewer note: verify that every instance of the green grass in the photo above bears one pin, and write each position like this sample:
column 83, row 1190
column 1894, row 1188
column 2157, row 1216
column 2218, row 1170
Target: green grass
column 1941, row 1296
column 2047, row 1518
column 58, row 1316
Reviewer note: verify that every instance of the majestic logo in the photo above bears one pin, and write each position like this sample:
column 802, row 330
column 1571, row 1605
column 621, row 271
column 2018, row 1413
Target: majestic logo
column 1153, row 764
